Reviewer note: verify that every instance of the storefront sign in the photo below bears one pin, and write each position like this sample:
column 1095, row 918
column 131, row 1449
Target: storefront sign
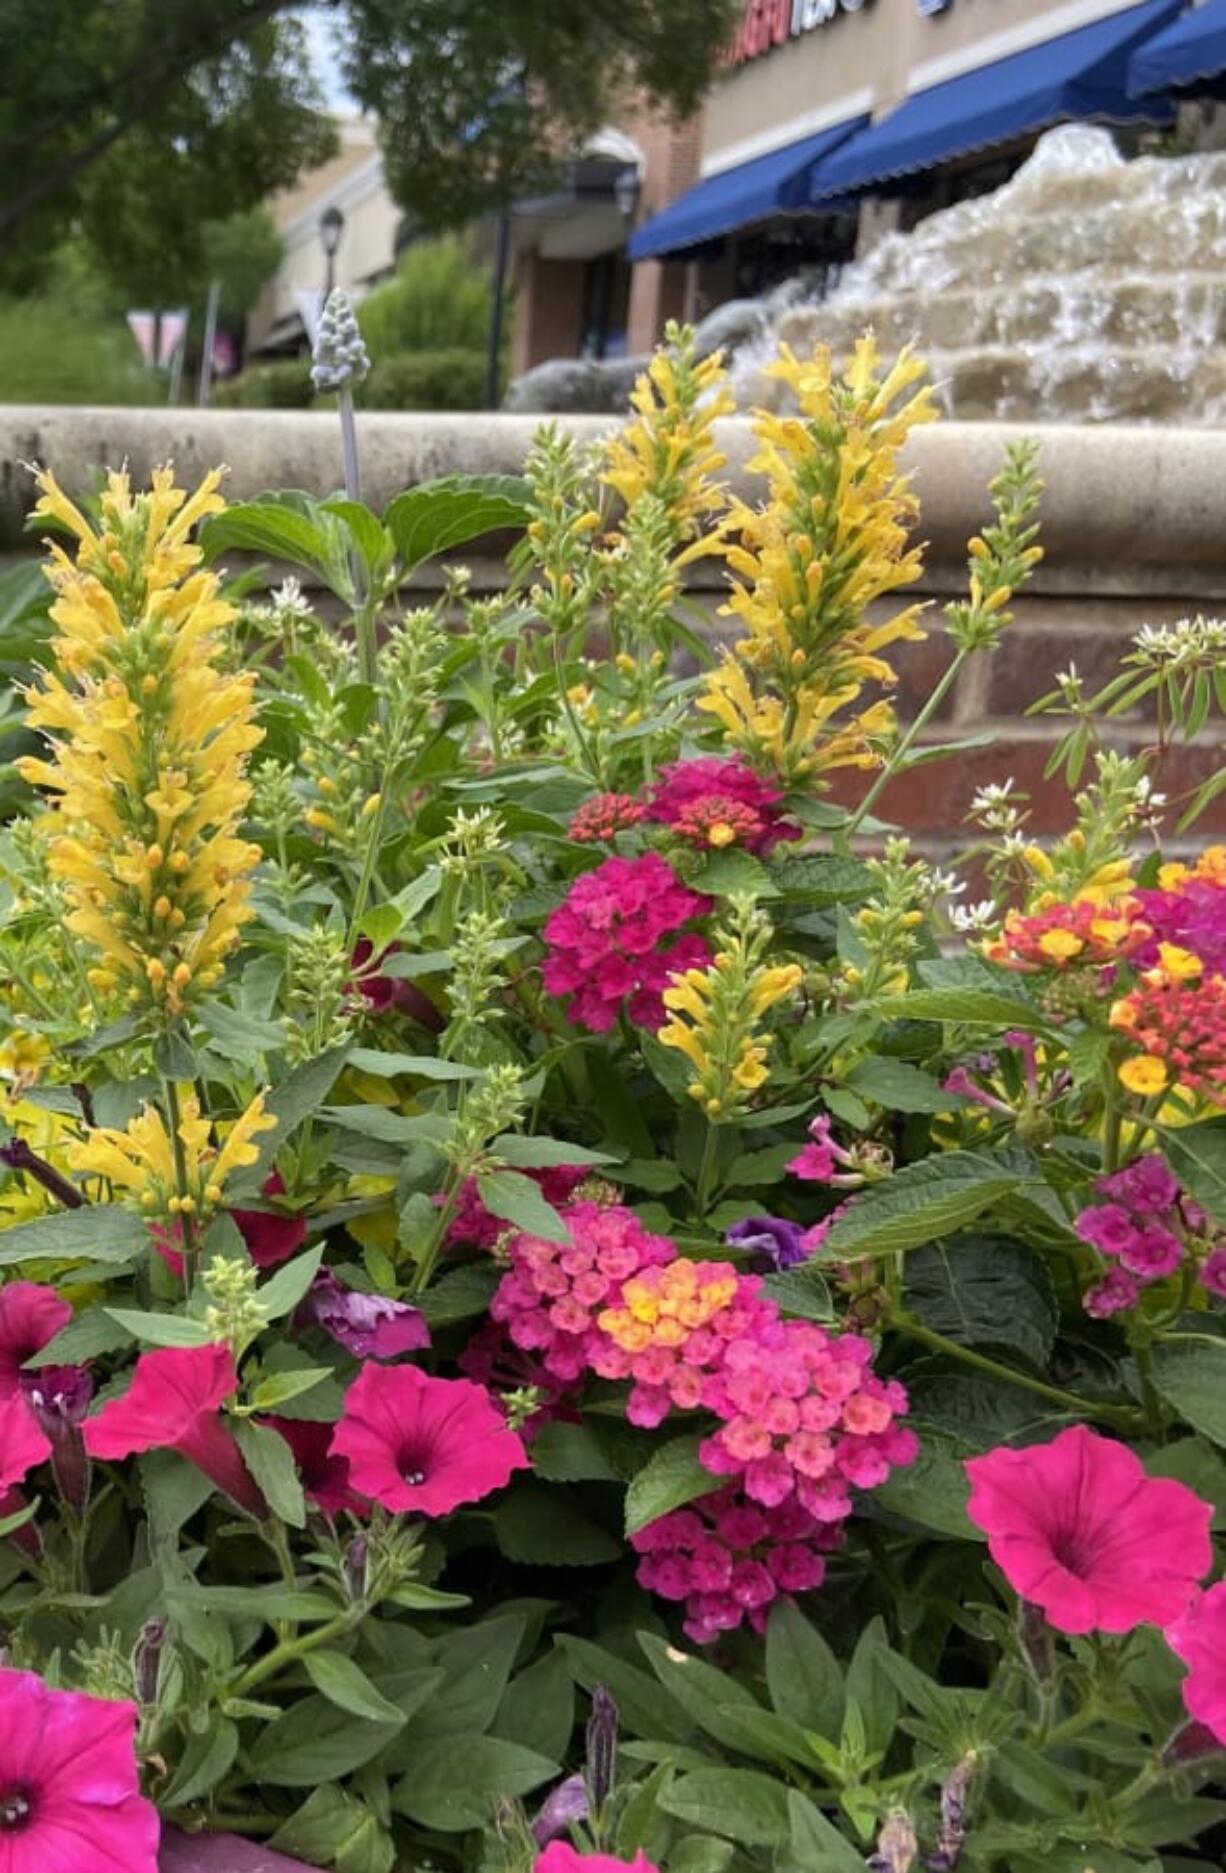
column 766, row 24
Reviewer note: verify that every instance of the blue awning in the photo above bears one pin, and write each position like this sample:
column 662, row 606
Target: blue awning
column 1078, row 75
column 1194, row 47
column 769, row 185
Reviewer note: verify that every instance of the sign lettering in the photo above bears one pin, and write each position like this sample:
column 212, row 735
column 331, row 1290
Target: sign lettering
column 766, row 24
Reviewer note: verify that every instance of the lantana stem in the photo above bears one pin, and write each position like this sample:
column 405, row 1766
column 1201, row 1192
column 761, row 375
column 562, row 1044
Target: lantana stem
column 1126, row 1417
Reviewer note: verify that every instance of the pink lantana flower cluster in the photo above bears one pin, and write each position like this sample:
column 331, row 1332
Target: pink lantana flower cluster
column 802, row 1417
column 1147, row 1229
column 609, row 942
column 729, row 1560
column 716, row 803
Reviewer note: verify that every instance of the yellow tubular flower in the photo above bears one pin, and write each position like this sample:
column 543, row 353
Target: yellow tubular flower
column 669, row 450
column 141, row 1161
column 149, row 744
column 832, row 537
column 716, row 1017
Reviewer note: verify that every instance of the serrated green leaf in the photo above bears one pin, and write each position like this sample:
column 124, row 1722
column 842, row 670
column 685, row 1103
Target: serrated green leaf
column 460, row 1294
column 900, row 1087
column 922, row 1201
column 670, row 1478
column 517, row 1199
column 99, row 1232
column 1191, row 1376
column 734, row 873
column 1197, row 1155
column 442, row 514
column 823, row 879
column 984, row 1291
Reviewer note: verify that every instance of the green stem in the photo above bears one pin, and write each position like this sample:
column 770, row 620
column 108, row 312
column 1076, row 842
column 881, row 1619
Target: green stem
column 1143, row 1354
column 904, row 747
column 187, row 1223
column 291, row 1650
column 705, row 1187
column 1125, row 1416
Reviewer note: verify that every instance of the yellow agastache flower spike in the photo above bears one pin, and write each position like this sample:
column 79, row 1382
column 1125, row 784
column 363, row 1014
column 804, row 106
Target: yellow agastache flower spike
column 140, row 1162
column 833, row 537
column 150, row 740
column 669, row 450
column 716, row 1016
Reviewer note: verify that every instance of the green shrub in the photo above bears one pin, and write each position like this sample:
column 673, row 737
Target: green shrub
column 51, row 353
column 440, row 297
column 284, row 384
column 426, row 380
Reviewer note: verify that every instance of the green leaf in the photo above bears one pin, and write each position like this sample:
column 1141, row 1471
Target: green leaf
column 815, row 1843
column 315, row 1742
column 1191, row 1376
column 572, row 1453
column 239, row 1033
column 333, row 1829
column 984, row 1291
column 646, row 1707
column 208, row 1757
column 460, row 1294
column 449, row 512
column 344, row 1683
column 416, row 1066
column 516, row 1199
column 160, row 1329
column 753, row 1168
column 801, row 1293
column 98, row 1232
column 262, row 1603
column 931, row 1492
column 871, row 1689
column 541, row 1529
column 299, row 1095
column 734, row 873
column 87, row 1336
column 740, row 1804
column 899, row 1086
column 273, row 527
column 1197, row 1155
column 654, row 1174
column 273, row 1465
column 670, row 1478
column 364, row 530
column 173, row 1490
column 538, row 1708
column 452, row 1783
column 1196, row 1464
column 932, row 1198
column 535, row 1154
column 476, row 1664
column 286, row 1288
column 803, row 1676
column 277, row 1388
column 824, row 879
column 968, row 1007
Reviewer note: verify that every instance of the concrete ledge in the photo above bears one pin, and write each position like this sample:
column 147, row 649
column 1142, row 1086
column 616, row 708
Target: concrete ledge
column 1129, row 509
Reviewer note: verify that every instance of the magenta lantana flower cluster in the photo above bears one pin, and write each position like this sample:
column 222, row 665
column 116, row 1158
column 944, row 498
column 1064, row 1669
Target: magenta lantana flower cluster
column 1147, row 1229
column 618, row 937
column 802, row 1417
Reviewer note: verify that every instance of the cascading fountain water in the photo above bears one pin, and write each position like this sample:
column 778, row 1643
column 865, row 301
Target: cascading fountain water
column 1087, row 288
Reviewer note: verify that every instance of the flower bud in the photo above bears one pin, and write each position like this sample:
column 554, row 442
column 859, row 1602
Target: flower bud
column 147, row 1660
column 601, row 1747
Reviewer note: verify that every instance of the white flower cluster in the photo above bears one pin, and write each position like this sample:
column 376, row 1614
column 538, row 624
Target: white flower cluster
column 340, row 358
column 1196, row 640
column 997, row 808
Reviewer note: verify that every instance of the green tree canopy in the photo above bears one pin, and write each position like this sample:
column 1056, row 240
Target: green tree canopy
column 141, row 121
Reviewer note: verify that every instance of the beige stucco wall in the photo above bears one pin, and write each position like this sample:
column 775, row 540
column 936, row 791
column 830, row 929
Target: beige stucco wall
column 869, row 61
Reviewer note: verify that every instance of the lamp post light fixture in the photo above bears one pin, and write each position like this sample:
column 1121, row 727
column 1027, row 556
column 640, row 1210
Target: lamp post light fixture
column 331, row 229
column 627, row 187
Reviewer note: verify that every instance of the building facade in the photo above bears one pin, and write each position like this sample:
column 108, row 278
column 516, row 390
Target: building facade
column 833, row 121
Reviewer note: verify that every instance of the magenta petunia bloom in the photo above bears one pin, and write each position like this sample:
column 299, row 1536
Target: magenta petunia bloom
column 325, row 1478
column 30, row 1318
column 422, row 1446
column 1198, row 1637
column 382, row 993
column 271, row 1236
column 173, row 1403
column 368, row 1325
column 70, row 1799
column 1079, row 1529
column 22, row 1445
column 561, row 1857
column 607, row 947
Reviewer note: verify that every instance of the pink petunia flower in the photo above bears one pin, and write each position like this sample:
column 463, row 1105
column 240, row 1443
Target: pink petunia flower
column 22, row 1443
column 271, row 1236
column 561, row 1857
column 1079, row 1529
column 30, row 1317
column 368, row 1325
column 422, row 1446
column 173, row 1403
column 70, row 1799
column 381, row 992
column 1198, row 1637
column 325, row 1477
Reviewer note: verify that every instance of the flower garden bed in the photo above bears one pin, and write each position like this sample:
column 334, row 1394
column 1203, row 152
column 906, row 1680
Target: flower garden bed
column 568, row 1300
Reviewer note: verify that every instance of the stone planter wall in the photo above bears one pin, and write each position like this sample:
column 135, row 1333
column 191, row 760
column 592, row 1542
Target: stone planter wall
column 1134, row 529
